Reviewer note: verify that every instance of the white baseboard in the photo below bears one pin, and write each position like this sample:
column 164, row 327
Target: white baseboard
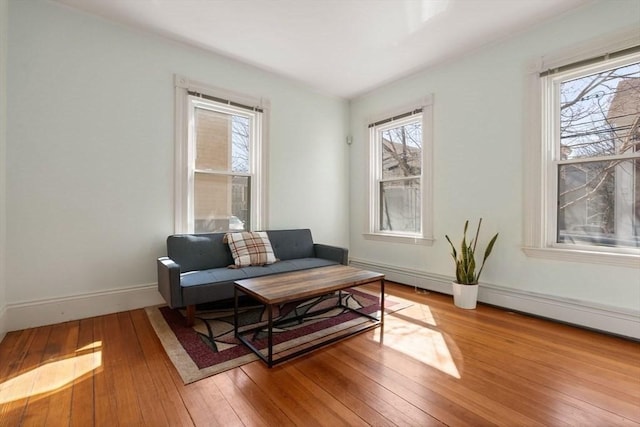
column 601, row 317
column 35, row 313
column 613, row 320
column 3, row 322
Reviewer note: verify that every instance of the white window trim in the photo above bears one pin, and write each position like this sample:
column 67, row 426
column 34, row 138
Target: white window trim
column 538, row 214
column 182, row 154
column 426, row 237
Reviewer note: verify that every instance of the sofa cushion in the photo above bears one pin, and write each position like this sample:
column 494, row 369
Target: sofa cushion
column 250, row 248
column 291, row 244
column 214, row 275
column 217, row 284
column 218, row 275
column 198, row 251
column 287, row 266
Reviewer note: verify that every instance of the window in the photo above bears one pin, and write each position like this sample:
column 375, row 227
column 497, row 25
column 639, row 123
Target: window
column 591, row 159
column 400, row 187
column 219, row 165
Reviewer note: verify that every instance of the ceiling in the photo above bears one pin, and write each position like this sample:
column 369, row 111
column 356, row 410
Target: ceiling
column 339, row 47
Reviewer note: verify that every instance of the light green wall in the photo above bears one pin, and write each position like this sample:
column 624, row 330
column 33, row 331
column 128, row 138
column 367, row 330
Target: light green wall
column 4, row 11
column 479, row 126
column 89, row 145
column 91, row 141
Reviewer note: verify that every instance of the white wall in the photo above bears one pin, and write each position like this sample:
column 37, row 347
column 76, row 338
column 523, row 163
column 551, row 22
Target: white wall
column 89, row 165
column 479, row 126
column 90, row 159
column 3, row 145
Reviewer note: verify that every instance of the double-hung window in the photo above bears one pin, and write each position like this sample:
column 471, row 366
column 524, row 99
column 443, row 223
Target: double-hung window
column 400, row 179
column 591, row 159
column 219, row 166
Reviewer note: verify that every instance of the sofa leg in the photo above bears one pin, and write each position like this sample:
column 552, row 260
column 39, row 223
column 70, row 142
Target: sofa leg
column 191, row 314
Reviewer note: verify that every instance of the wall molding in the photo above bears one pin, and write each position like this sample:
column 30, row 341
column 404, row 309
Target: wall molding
column 30, row 314
column 3, row 322
column 614, row 320
column 601, row 317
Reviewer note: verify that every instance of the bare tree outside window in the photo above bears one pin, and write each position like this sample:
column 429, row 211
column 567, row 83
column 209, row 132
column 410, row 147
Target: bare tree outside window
column 400, row 184
column 240, row 143
column 240, row 139
column 599, row 159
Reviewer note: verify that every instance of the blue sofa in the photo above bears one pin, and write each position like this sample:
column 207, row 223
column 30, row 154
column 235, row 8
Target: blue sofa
column 196, row 271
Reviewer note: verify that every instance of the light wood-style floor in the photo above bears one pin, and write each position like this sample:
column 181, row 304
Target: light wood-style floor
column 435, row 365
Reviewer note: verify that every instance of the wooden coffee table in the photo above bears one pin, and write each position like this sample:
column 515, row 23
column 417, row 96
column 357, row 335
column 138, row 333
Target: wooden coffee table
column 301, row 285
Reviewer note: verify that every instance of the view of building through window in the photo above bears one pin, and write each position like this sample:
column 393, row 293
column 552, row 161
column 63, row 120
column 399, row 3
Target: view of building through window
column 401, row 177
column 222, row 171
column 599, row 159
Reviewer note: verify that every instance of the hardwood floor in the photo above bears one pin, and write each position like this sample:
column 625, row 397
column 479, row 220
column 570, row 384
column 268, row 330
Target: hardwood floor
column 434, row 365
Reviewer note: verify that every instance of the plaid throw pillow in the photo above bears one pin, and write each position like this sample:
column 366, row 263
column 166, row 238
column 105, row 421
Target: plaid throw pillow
column 250, row 248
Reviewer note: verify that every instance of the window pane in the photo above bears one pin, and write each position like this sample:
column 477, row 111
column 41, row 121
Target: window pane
column 400, row 206
column 222, row 141
column 402, row 151
column 221, row 203
column 599, row 203
column 240, row 138
column 599, row 113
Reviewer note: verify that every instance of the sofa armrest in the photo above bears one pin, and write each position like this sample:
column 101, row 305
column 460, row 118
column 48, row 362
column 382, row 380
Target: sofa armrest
column 169, row 282
column 333, row 253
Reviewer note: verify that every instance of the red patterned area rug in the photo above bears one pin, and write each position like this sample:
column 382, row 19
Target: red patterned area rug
column 209, row 347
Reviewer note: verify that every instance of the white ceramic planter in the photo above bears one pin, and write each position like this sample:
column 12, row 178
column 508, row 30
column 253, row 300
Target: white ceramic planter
column 465, row 296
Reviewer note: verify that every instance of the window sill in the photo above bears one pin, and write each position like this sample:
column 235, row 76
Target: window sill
column 591, row 257
column 398, row 238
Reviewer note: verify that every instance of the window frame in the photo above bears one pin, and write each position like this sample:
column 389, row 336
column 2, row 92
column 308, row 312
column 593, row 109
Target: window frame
column 542, row 148
column 185, row 149
column 391, row 119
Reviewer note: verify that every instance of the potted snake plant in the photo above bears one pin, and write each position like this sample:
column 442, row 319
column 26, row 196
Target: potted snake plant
column 465, row 287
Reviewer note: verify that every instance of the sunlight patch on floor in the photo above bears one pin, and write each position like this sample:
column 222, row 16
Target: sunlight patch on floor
column 419, row 341
column 52, row 376
column 426, row 315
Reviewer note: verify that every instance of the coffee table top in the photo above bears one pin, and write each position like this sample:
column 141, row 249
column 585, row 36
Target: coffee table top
column 295, row 285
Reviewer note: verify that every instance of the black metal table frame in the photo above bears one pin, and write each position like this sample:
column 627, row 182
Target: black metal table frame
column 269, row 359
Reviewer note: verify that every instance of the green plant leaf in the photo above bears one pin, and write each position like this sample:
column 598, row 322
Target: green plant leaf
column 487, row 252
column 454, row 253
column 475, row 240
column 465, row 260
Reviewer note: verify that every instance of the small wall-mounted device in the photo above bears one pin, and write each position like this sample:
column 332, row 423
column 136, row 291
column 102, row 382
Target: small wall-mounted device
column 349, row 140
